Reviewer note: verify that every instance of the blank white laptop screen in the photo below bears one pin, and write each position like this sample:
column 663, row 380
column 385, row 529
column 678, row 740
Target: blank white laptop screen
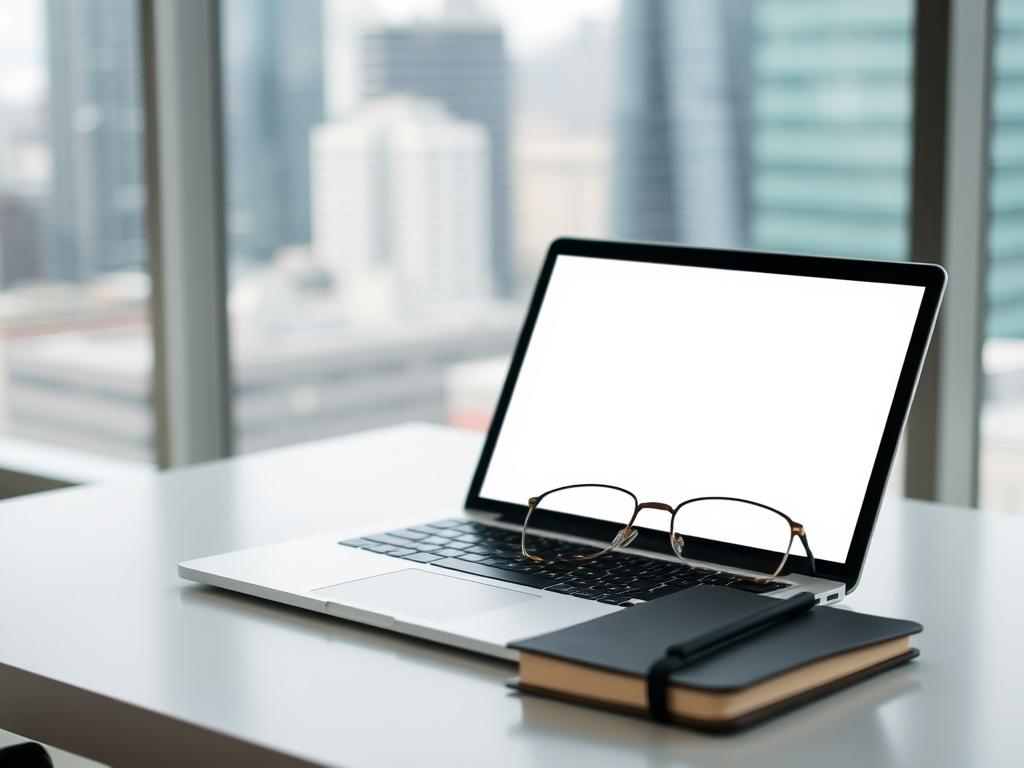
column 679, row 381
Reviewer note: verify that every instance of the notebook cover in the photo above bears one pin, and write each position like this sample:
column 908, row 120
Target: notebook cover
column 746, row 720
column 629, row 641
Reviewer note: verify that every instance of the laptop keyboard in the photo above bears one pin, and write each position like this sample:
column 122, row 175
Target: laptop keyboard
column 617, row 578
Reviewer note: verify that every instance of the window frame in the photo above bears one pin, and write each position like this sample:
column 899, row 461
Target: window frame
column 185, row 183
column 187, row 230
column 949, row 219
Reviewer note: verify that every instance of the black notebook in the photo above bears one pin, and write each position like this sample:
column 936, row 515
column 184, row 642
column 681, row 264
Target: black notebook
column 605, row 661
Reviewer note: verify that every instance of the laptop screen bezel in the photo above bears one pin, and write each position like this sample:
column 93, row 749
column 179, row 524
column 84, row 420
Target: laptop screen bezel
column 930, row 277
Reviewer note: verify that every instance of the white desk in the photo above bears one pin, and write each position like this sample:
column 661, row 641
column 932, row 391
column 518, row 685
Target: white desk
column 105, row 652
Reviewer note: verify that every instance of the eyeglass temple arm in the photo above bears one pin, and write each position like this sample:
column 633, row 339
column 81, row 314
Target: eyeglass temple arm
column 807, row 547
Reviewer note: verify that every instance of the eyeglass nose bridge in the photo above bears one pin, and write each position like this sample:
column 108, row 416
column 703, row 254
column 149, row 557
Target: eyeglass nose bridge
column 654, row 505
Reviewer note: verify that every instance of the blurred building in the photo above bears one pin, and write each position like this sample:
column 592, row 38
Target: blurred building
column 459, row 60
column 273, row 96
column 91, row 390
column 1006, row 233
column 561, row 188
column 21, row 238
column 833, row 111
column 24, row 194
column 401, row 207
column 97, row 204
column 681, row 165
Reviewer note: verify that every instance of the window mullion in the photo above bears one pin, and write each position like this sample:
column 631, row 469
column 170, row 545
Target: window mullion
column 949, row 223
column 181, row 50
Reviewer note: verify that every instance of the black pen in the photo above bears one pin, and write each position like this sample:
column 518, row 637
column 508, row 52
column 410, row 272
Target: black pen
column 679, row 655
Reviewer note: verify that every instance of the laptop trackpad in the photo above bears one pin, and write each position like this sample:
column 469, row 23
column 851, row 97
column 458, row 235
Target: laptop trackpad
column 421, row 595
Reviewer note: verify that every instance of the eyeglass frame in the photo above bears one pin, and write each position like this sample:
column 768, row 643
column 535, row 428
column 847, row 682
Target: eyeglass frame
column 627, row 535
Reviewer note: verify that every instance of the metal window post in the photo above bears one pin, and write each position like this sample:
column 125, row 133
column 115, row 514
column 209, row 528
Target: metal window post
column 949, row 224
column 185, row 170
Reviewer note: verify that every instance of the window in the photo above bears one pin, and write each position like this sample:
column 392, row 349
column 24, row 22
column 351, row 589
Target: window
column 396, row 170
column 1002, row 420
column 74, row 340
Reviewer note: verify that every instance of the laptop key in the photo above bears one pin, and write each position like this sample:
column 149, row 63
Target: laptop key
column 717, row 581
column 446, row 552
column 513, row 577
column 614, row 589
column 364, row 543
column 419, row 546
column 423, row 557
column 439, row 540
column 384, row 538
column 408, row 534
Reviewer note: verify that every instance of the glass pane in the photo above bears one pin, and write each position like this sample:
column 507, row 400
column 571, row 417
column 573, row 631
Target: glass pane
column 396, row 170
column 1002, row 418
column 74, row 340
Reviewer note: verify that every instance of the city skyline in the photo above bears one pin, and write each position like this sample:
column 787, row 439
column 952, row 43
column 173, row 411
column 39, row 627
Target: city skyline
column 265, row 61
column 774, row 125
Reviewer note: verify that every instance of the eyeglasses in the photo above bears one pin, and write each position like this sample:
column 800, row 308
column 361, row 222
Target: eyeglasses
column 692, row 522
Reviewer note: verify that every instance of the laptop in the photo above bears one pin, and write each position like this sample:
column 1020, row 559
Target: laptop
column 668, row 371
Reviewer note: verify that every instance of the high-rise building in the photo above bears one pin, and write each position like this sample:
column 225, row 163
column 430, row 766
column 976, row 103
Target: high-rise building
column 459, row 60
column 561, row 189
column 401, row 207
column 681, row 163
column 273, row 96
column 21, row 234
column 833, row 112
column 24, row 195
column 1006, row 233
column 97, row 201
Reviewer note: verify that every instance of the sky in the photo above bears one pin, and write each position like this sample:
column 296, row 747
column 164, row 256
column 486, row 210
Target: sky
column 21, row 51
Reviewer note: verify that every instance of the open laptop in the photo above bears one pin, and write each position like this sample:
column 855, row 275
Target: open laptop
column 672, row 372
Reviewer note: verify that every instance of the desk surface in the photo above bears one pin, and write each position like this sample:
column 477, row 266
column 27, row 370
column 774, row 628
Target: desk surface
column 104, row 651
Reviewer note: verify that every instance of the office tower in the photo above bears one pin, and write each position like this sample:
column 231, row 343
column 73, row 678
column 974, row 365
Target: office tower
column 681, row 164
column 460, row 61
column 401, row 207
column 561, row 188
column 833, row 117
column 97, row 201
column 273, row 96
column 1006, row 236
column 24, row 194
column 21, row 235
